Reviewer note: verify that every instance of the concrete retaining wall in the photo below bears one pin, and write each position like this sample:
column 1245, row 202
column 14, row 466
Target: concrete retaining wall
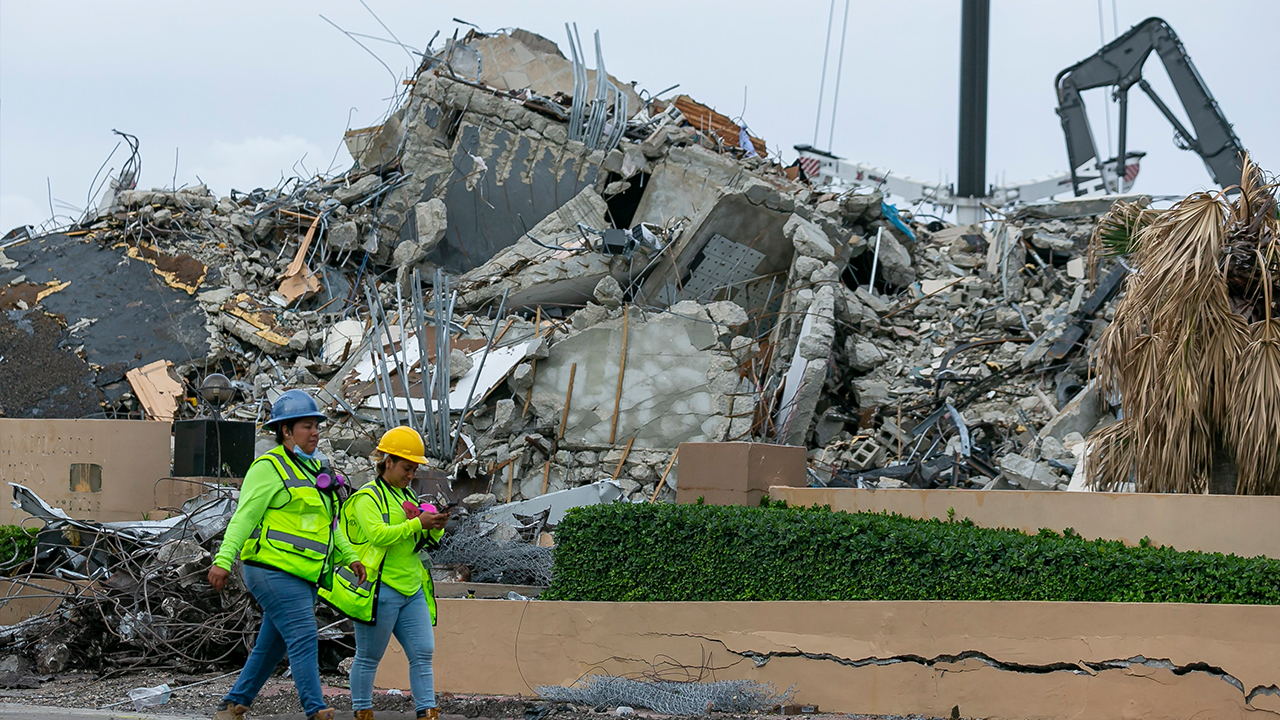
column 1016, row 661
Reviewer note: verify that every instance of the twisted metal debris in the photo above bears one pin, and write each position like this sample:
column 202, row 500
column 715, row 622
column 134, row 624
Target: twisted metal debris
column 131, row 595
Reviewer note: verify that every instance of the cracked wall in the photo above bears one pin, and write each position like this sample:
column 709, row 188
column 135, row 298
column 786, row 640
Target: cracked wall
column 1020, row 661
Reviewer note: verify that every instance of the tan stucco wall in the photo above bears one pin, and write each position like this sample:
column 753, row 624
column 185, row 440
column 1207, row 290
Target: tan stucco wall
column 1246, row 526
column 827, row 650
column 39, row 453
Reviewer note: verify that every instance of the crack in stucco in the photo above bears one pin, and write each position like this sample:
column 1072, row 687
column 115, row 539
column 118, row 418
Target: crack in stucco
column 1082, row 667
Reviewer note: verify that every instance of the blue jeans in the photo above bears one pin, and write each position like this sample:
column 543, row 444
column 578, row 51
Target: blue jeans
column 410, row 619
column 288, row 626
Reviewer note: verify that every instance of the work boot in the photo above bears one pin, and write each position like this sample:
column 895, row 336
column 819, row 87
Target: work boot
column 429, row 714
column 364, row 715
column 230, row 711
column 325, row 714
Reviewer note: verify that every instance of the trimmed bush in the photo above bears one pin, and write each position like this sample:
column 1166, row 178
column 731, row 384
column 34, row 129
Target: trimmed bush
column 17, row 548
column 665, row 552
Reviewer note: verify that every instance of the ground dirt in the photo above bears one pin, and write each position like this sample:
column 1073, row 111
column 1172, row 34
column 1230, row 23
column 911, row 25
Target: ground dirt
column 279, row 699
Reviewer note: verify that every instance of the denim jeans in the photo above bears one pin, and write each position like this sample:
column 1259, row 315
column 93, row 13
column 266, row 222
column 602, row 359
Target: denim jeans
column 288, row 626
column 410, row 619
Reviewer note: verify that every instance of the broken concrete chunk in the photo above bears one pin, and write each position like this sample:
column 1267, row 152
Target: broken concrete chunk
column 344, row 237
column 357, row 190
column 590, row 315
column 872, row 393
column 477, row 501
column 537, row 349
column 1049, row 241
column 298, row 342
column 459, row 364
column 608, row 292
column 521, row 378
column 864, row 355
column 728, row 313
column 895, row 261
column 1027, row 473
column 504, row 417
column 431, row 219
column 808, row 239
column 828, row 273
column 408, row 252
column 1077, row 416
column 806, row 266
column 872, row 300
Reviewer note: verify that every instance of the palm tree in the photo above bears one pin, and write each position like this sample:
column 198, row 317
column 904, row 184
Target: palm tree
column 1193, row 353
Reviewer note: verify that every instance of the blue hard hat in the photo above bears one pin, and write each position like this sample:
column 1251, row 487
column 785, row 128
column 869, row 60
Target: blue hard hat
column 294, row 404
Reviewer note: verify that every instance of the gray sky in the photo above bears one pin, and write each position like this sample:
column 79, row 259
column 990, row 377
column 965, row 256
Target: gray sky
column 247, row 91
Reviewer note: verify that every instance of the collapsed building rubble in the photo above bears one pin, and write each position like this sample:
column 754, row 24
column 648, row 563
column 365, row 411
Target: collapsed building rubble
column 560, row 278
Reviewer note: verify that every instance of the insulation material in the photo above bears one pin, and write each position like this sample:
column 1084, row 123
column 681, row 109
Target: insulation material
column 156, row 389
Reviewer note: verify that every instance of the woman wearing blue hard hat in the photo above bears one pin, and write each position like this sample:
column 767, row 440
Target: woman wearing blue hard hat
column 283, row 531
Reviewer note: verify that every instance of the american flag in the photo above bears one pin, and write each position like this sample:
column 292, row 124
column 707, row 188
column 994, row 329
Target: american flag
column 1131, row 173
column 810, row 167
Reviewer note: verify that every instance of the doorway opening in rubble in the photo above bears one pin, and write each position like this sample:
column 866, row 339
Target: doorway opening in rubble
column 623, row 205
column 858, row 273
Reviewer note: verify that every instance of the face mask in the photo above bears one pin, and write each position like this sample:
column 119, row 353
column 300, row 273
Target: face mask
column 305, row 455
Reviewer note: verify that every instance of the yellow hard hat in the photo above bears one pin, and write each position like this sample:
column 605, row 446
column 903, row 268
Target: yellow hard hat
column 403, row 442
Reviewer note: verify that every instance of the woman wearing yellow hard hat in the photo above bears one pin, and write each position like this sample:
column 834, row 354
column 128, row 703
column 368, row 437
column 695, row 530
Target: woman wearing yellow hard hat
column 388, row 528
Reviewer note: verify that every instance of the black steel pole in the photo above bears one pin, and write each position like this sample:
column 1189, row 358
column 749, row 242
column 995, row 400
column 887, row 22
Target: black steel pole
column 975, row 25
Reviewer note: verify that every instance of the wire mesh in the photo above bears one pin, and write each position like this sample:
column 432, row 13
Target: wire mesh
column 670, row 697
column 495, row 553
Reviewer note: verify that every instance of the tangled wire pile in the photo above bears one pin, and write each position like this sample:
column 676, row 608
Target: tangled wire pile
column 670, row 697
column 126, row 596
column 494, row 555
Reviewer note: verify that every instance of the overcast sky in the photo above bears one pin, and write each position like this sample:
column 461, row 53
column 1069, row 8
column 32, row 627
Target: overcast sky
column 245, row 92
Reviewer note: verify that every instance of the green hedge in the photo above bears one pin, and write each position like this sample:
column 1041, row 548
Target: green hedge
column 664, row 552
column 17, row 548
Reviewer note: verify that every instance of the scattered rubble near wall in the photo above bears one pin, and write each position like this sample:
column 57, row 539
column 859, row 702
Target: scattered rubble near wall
column 559, row 281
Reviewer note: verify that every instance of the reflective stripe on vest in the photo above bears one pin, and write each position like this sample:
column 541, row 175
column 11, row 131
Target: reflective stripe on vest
column 298, row 535
column 350, row 577
column 294, row 540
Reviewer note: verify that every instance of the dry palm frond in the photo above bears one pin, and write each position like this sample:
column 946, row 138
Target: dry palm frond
column 1112, row 460
column 1117, row 231
column 1196, row 380
column 1254, row 422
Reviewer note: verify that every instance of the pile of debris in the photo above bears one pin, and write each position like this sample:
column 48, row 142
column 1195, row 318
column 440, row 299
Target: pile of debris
column 558, row 279
column 126, row 595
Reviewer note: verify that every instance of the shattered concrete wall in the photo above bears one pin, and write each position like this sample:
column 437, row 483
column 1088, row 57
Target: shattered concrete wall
column 678, row 386
column 1241, row 525
column 523, row 59
column 534, row 275
column 130, row 456
column 499, row 167
column 998, row 660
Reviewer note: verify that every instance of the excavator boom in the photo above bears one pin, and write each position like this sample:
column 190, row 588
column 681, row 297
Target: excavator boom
column 1119, row 65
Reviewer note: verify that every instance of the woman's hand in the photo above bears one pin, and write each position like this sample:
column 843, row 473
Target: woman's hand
column 218, row 578
column 434, row 521
column 357, row 568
